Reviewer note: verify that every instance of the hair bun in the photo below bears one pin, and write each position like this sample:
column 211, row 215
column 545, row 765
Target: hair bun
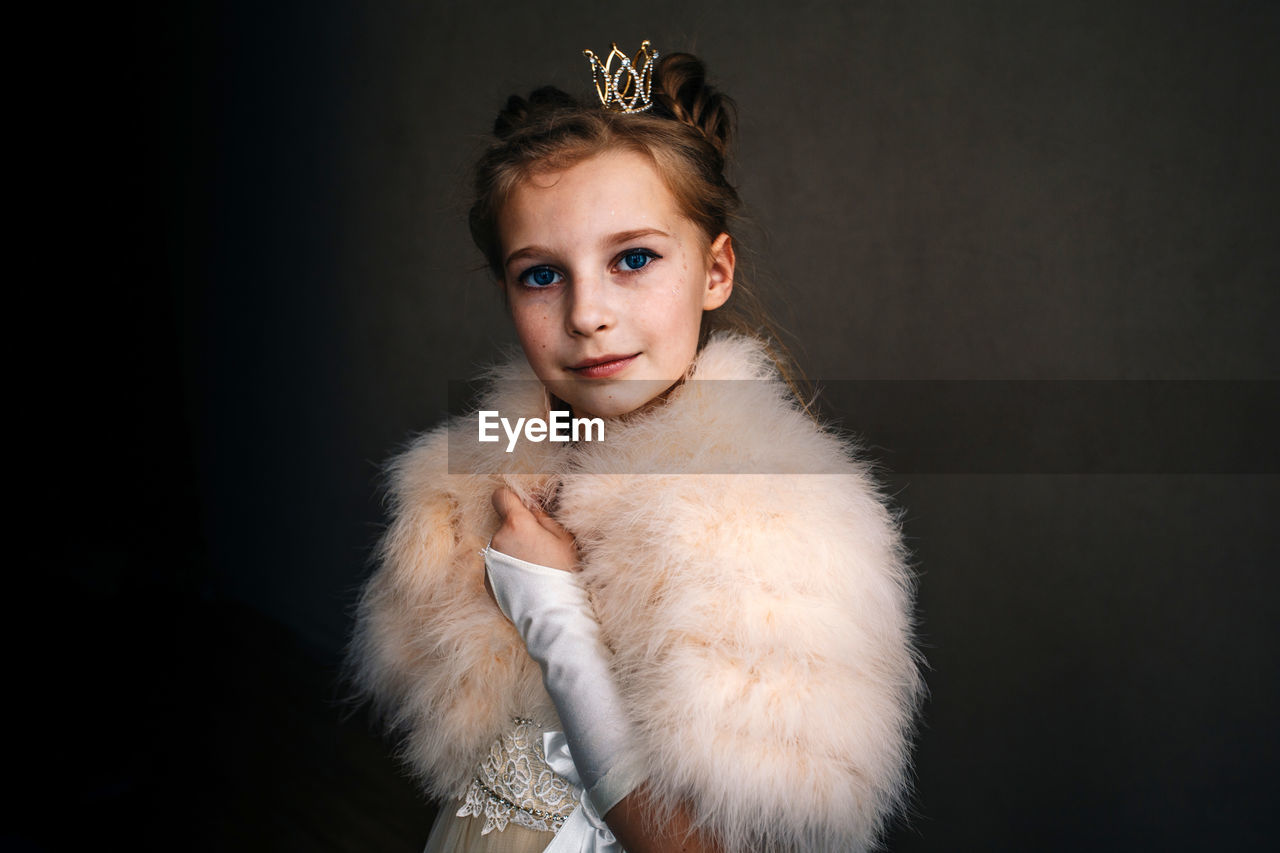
column 680, row 91
column 519, row 113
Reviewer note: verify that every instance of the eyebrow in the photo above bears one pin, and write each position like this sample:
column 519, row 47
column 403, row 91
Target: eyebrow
column 612, row 239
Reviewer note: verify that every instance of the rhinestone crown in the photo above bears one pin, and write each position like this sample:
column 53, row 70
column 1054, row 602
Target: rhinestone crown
column 628, row 87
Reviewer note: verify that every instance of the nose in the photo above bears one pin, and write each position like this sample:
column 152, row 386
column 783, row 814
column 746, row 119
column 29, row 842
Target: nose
column 590, row 309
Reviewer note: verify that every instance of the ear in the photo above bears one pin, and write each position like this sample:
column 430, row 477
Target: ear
column 719, row 273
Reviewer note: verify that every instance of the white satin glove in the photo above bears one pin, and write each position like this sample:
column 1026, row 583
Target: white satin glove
column 550, row 609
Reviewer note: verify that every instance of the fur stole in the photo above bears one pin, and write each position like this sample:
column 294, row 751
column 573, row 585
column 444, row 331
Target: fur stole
column 761, row 624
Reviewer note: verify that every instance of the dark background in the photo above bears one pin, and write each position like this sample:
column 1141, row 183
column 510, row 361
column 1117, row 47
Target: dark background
column 262, row 274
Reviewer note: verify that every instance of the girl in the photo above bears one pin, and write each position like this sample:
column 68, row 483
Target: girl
column 694, row 634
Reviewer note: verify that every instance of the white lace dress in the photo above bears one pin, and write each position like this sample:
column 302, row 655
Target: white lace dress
column 515, row 803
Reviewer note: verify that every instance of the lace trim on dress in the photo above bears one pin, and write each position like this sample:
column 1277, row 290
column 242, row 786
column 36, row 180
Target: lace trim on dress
column 514, row 783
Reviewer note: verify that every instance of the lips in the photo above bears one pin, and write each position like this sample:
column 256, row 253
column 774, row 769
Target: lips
column 605, row 365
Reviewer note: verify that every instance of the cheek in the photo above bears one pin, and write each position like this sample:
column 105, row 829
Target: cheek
column 535, row 327
column 679, row 319
column 690, row 295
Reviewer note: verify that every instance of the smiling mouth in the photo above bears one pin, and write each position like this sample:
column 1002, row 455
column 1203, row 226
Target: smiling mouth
column 607, row 367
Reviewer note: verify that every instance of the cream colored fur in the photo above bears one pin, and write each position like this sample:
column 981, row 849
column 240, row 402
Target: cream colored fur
column 761, row 623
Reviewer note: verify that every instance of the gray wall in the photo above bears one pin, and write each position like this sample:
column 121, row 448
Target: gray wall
column 937, row 190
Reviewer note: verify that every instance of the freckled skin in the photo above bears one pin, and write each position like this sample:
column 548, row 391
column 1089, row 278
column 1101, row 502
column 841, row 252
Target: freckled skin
column 599, row 306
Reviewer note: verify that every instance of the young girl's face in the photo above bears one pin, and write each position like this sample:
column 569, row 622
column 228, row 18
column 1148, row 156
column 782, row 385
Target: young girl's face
column 607, row 281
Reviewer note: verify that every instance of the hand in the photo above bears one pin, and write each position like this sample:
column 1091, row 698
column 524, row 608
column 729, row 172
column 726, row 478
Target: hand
column 532, row 535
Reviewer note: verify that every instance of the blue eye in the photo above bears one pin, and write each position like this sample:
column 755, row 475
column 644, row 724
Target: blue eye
column 538, row 277
column 638, row 259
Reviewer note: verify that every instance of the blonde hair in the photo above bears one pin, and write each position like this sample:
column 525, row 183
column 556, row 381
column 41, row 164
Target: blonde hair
column 686, row 134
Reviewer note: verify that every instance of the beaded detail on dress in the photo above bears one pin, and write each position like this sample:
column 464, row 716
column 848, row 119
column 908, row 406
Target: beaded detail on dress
column 514, row 783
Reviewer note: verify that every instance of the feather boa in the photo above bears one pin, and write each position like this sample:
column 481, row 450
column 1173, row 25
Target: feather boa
column 761, row 623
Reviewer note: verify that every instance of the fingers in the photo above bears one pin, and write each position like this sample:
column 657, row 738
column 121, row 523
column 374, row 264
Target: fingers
column 505, row 503
column 508, row 505
column 550, row 523
column 523, row 533
column 512, row 511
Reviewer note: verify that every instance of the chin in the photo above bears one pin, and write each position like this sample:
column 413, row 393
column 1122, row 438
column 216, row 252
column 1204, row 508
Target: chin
column 617, row 398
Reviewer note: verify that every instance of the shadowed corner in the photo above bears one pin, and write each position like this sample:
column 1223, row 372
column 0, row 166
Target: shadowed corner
column 295, row 766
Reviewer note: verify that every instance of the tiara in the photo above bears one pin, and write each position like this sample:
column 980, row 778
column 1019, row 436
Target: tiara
column 627, row 88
